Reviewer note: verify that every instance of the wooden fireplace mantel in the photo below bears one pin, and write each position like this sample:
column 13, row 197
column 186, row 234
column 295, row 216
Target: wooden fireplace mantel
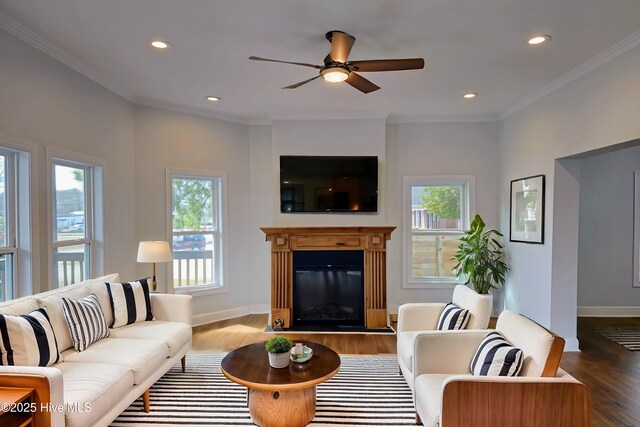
column 371, row 240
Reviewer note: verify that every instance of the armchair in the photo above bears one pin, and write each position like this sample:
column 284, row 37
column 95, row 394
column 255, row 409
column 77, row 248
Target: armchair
column 416, row 317
column 446, row 393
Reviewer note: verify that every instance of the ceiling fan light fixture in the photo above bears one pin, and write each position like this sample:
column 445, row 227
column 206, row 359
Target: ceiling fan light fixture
column 334, row 74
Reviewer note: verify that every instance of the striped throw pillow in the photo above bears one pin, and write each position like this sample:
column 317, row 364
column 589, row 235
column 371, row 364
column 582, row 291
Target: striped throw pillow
column 452, row 318
column 85, row 320
column 497, row 357
column 28, row 340
column 130, row 302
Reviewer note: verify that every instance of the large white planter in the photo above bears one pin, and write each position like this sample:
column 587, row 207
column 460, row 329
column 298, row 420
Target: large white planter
column 489, row 299
column 279, row 360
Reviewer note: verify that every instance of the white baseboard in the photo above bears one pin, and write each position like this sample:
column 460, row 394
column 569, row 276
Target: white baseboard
column 216, row 316
column 571, row 344
column 608, row 311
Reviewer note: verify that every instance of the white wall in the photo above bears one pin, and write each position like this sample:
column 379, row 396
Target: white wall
column 437, row 149
column 599, row 109
column 46, row 103
column 166, row 139
column 605, row 251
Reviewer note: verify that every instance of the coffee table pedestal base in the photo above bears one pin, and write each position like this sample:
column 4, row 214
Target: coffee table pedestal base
column 286, row 408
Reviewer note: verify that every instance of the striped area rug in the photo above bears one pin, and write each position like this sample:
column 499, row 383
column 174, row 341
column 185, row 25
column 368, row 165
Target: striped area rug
column 629, row 338
column 368, row 391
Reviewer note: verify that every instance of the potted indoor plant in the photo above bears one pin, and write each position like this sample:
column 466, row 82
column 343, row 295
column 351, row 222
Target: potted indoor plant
column 479, row 258
column 278, row 348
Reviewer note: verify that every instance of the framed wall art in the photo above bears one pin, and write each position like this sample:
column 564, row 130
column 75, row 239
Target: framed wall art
column 527, row 210
column 636, row 230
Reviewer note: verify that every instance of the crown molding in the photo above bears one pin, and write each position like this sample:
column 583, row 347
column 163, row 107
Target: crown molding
column 443, row 118
column 21, row 32
column 597, row 61
column 203, row 112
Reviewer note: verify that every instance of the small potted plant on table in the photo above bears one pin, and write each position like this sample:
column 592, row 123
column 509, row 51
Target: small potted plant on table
column 278, row 348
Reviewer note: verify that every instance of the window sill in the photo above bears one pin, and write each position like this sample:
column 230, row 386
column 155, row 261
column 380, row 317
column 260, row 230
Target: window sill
column 202, row 290
column 432, row 284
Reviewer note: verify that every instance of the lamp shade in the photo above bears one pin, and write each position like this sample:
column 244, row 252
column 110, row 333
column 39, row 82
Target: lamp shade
column 154, row 251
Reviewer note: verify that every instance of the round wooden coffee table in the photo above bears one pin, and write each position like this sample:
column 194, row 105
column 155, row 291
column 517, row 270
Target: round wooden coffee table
column 280, row 397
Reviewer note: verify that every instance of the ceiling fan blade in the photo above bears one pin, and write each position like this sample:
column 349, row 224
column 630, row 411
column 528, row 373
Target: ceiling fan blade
column 360, row 83
column 341, row 44
column 293, row 86
column 304, row 64
column 387, row 64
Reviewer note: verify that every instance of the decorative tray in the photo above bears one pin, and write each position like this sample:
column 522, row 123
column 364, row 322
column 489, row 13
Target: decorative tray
column 301, row 357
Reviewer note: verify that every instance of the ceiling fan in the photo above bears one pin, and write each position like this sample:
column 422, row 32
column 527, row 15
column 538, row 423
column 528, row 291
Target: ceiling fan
column 336, row 68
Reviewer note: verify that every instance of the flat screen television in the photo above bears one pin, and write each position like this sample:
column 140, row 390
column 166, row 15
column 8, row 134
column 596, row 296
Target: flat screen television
column 347, row 184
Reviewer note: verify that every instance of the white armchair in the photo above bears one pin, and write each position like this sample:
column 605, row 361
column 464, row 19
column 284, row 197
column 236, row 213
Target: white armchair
column 416, row 317
column 447, row 394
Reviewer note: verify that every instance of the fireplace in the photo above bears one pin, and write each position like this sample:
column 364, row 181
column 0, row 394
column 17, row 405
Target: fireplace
column 367, row 244
column 328, row 289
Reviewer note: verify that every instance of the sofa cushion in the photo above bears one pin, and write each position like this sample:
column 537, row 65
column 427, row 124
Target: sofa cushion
column 496, row 357
column 28, row 340
column 428, row 392
column 52, row 300
column 143, row 357
column 406, row 342
column 85, row 320
column 452, row 318
column 19, row 306
column 173, row 334
column 130, row 302
column 99, row 386
column 97, row 286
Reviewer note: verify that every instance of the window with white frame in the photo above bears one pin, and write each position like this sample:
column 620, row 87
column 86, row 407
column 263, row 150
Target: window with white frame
column 437, row 212
column 8, row 210
column 76, row 194
column 196, row 230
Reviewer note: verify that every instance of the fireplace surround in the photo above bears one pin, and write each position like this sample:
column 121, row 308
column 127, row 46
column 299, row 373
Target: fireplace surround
column 369, row 241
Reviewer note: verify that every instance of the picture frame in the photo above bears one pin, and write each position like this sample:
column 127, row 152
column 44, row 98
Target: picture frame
column 527, row 210
column 636, row 229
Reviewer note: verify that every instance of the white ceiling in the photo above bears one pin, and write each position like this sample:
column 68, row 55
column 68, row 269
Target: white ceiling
column 468, row 45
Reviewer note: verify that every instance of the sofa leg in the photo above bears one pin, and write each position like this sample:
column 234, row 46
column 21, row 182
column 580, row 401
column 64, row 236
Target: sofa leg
column 147, row 403
column 418, row 420
column 184, row 363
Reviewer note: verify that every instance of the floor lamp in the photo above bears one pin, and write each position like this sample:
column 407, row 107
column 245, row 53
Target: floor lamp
column 154, row 251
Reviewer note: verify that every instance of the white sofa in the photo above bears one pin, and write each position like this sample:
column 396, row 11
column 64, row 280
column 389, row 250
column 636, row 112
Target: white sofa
column 96, row 385
column 448, row 394
column 416, row 317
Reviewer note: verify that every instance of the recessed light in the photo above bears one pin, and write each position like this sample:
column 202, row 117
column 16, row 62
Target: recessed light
column 539, row 39
column 470, row 95
column 213, row 98
column 160, row 44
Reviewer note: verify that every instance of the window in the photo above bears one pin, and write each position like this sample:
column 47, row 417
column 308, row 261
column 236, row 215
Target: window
column 196, row 230
column 436, row 214
column 8, row 241
column 77, row 223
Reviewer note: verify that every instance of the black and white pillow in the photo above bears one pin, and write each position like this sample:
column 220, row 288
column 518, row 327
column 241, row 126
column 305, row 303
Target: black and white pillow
column 453, row 318
column 497, row 357
column 28, row 340
column 85, row 320
column 130, row 302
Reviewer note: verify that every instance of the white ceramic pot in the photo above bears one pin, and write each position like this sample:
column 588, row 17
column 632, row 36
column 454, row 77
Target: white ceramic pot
column 279, row 360
column 488, row 297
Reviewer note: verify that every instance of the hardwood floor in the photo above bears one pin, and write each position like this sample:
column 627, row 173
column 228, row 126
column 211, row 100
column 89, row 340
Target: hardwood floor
column 233, row 333
column 611, row 372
